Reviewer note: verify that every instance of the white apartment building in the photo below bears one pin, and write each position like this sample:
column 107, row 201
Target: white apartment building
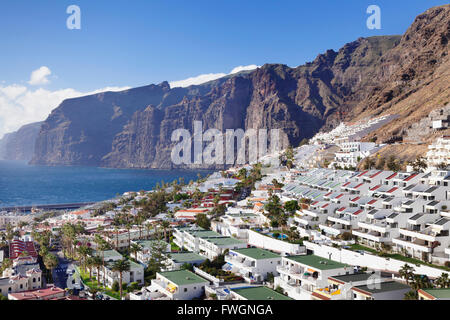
column 179, row 285
column 145, row 254
column 205, row 242
column 425, row 236
column 438, row 153
column 253, row 264
column 300, row 276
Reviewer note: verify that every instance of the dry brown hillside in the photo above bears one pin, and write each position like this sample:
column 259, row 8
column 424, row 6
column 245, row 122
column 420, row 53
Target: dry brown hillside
column 415, row 76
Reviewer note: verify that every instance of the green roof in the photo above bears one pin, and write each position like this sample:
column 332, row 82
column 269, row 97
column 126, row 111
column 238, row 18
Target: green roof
column 182, row 277
column 224, row 241
column 107, row 254
column 383, row 287
column 439, row 293
column 184, row 257
column 317, row 262
column 148, row 243
column 356, row 277
column 256, row 253
column 204, row 234
column 260, row 293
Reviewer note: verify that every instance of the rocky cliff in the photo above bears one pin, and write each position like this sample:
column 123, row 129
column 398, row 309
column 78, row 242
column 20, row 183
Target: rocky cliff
column 367, row 77
column 19, row 145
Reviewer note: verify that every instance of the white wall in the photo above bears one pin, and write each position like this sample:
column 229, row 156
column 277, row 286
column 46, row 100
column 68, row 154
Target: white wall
column 368, row 260
column 261, row 241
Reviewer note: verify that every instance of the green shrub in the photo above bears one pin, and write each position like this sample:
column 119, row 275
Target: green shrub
column 115, row 286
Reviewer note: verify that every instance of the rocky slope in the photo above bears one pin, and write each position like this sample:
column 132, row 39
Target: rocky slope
column 19, row 145
column 370, row 76
column 414, row 77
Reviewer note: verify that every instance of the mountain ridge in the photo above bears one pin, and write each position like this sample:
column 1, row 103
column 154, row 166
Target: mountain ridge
column 132, row 128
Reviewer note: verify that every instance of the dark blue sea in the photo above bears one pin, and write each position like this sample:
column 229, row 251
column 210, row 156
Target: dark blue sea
column 25, row 185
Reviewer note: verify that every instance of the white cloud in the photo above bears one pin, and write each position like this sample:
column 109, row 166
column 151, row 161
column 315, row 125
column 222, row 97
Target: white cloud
column 39, row 76
column 208, row 77
column 20, row 105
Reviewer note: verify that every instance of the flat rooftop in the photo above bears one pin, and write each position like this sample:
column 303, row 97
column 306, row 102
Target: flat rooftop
column 383, row 287
column 224, row 241
column 256, row 253
column 438, row 293
column 317, row 262
column 184, row 257
column 183, row 277
column 260, row 293
column 356, row 277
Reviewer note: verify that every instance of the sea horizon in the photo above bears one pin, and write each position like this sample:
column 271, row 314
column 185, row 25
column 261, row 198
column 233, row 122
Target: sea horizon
column 22, row 184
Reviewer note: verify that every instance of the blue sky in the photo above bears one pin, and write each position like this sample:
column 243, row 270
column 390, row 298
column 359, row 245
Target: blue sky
column 131, row 43
column 134, row 43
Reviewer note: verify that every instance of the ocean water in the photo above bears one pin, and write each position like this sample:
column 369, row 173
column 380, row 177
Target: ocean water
column 25, row 185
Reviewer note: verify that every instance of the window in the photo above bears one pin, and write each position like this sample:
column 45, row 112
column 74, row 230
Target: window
column 185, row 289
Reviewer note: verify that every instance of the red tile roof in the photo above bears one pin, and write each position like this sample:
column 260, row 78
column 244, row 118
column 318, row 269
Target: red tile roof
column 391, row 176
column 372, row 201
column 357, row 212
column 361, row 174
column 374, row 175
column 18, row 246
column 356, row 199
column 392, row 190
column 40, row 294
column 375, row 188
column 411, row 176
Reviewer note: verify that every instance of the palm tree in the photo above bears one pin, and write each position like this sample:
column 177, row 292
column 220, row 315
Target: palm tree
column 84, row 251
column 443, row 281
column 135, row 248
column 420, row 282
column 51, row 262
column 121, row 266
column 165, row 224
column 90, row 264
column 148, row 228
column 128, row 226
column 97, row 262
column 410, row 295
column 406, row 272
column 116, row 230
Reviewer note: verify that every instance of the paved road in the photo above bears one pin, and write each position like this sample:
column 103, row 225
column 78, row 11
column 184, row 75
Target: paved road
column 63, row 272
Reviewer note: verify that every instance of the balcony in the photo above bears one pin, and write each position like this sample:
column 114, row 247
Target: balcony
column 415, row 244
column 292, row 271
column 334, row 229
column 370, row 235
column 163, row 288
column 332, row 294
column 426, row 234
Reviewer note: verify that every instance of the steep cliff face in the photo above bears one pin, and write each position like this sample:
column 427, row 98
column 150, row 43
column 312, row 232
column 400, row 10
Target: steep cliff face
column 414, row 77
column 19, row 145
column 367, row 77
